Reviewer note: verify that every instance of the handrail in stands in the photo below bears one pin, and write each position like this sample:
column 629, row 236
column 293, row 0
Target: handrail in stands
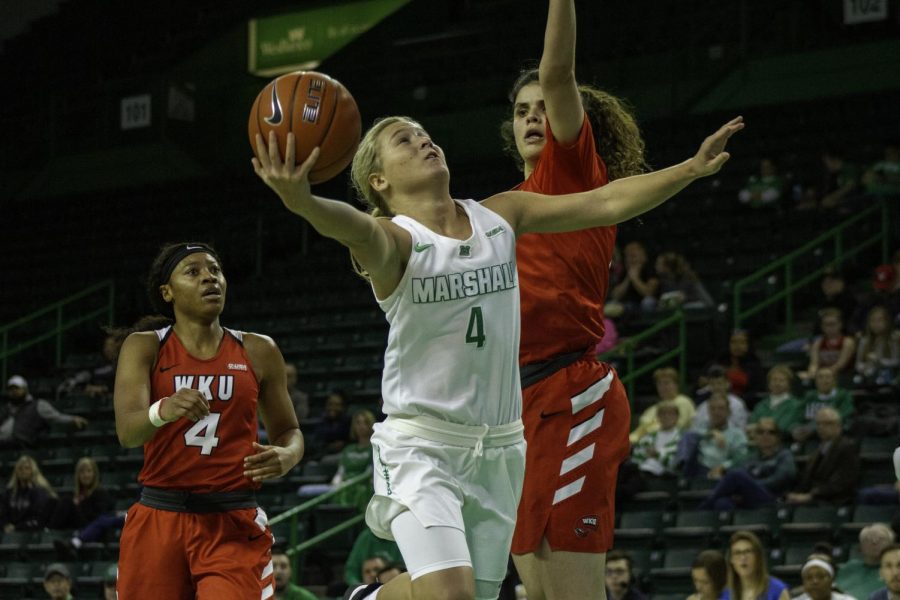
column 835, row 235
column 61, row 325
column 294, row 547
column 630, row 346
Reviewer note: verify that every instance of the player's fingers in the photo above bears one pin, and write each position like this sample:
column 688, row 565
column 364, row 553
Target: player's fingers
column 308, row 164
column 720, row 159
column 290, row 152
column 262, row 152
column 274, row 153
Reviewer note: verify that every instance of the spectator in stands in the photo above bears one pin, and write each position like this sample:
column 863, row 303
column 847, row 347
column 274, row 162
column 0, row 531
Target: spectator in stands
column 333, row 432
column 836, row 295
column 620, row 584
column 98, row 380
column 748, row 575
column 679, row 284
column 827, row 393
column 710, row 575
column 666, row 380
column 885, row 292
column 24, row 418
column 839, row 180
column 818, row 576
column 88, row 500
column 890, row 574
column 743, row 368
column 831, row 474
column 299, row 398
column 833, row 350
column 365, row 547
column 779, row 405
column 716, row 382
column 859, row 576
column 87, row 503
column 766, row 475
column 883, row 178
column 711, row 450
column 610, row 336
column 109, row 582
column 28, row 500
column 656, row 452
column 878, row 355
column 356, row 459
column 390, row 571
column 638, row 290
column 282, row 571
column 764, row 189
column 371, row 567
column 58, row 582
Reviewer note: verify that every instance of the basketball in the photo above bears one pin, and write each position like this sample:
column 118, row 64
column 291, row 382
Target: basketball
column 318, row 110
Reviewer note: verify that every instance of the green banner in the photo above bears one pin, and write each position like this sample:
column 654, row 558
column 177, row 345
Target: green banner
column 302, row 40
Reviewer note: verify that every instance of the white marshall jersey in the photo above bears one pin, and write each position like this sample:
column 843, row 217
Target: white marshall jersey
column 453, row 345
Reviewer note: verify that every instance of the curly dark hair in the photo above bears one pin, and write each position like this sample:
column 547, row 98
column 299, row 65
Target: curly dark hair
column 617, row 133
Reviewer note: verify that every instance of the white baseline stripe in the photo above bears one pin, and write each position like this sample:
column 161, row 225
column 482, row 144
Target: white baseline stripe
column 267, row 592
column 579, row 431
column 592, row 394
column 568, row 490
column 577, row 459
column 267, row 571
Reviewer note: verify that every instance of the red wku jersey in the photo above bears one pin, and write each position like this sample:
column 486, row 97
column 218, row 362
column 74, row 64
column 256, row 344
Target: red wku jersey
column 563, row 277
column 206, row 456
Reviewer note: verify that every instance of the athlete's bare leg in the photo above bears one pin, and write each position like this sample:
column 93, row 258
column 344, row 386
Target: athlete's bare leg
column 457, row 583
column 549, row 575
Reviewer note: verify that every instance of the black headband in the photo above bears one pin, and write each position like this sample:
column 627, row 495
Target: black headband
column 183, row 251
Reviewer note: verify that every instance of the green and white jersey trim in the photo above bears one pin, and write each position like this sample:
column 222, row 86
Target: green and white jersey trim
column 453, row 345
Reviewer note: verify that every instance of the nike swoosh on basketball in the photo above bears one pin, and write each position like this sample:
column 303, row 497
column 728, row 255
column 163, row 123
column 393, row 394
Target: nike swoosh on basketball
column 164, row 369
column 277, row 115
column 422, row 247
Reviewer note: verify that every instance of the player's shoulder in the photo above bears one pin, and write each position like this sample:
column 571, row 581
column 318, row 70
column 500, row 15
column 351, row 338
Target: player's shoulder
column 259, row 346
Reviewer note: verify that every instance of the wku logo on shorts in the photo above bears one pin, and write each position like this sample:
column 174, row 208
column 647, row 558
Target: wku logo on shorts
column 586, row 525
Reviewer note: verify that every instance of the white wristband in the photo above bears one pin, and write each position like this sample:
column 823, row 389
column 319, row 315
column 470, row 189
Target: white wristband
column 153, row 413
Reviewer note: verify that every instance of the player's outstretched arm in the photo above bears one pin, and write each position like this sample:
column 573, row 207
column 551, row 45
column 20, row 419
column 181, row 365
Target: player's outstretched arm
column 615, row 202
column 556, row 73
column 373, row 243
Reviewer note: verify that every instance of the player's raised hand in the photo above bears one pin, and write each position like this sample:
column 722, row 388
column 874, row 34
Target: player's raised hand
column 268, row 462
column 711, row 156
column 287, row 179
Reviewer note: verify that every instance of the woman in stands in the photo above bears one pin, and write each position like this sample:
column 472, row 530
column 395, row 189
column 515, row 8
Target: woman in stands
column 748, row 575
column 87, row 502
column 818, row 579
column 449, row 458
column 28, row 500
column 188, row 390
column 710, row 575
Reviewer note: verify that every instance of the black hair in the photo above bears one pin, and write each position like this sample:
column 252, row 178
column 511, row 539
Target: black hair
column 159, row 275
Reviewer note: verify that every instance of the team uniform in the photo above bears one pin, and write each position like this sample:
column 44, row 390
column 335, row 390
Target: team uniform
column 196, row 532
column 575, row 410
column 451, row 452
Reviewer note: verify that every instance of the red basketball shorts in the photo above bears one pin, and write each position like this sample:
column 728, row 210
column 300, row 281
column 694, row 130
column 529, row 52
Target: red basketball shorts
column 576, row 427
column 207, row 556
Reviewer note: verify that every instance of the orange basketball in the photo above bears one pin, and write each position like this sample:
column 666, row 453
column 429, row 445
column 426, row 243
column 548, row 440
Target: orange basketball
column 318, row 110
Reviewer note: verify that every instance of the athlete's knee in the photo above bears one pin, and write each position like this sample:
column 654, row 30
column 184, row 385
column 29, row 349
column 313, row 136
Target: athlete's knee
column 447, row 584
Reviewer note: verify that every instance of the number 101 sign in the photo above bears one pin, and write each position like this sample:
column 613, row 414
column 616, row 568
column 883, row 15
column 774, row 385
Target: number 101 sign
column 864, row 11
